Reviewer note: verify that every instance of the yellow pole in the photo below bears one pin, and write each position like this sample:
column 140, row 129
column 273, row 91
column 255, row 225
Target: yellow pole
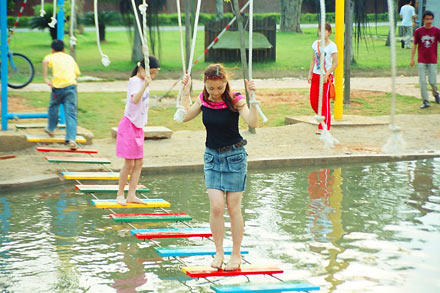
column 339, row 72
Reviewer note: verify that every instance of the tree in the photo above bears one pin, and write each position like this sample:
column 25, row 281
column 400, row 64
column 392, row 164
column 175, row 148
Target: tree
column 290, row 15
column 219, row 9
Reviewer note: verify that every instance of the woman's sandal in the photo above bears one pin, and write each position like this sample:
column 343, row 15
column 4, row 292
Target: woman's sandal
column 232, row 265
column 217, row 263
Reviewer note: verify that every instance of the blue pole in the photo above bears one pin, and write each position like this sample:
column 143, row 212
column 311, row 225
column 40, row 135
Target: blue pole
column 4, row 60
column 26, row 115
column 60, row 36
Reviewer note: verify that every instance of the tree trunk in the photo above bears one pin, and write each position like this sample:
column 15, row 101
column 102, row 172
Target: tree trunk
column 290, row 15
column 388, row 41
column 136, row 52
column 219, row 9
column 244, row 65
column 101, row 27
column 348, row 49
column 187, row 30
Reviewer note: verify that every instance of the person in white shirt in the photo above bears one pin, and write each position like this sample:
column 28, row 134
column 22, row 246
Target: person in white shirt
column 408, row 15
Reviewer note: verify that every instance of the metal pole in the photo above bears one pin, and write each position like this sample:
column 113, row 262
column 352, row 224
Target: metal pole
column 60, row 36
column 4, row 60
column 339, row 72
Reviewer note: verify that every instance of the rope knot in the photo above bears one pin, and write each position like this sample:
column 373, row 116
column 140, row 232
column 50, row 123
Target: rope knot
column 53, row 22
column 42, row 12
column 72, row 41
column 143, row 9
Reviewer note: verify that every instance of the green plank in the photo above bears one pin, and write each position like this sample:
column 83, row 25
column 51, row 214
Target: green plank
column 83, row 160
column 107, row 188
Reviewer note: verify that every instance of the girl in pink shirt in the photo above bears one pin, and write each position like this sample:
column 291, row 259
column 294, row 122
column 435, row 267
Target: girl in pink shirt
column 130, row 136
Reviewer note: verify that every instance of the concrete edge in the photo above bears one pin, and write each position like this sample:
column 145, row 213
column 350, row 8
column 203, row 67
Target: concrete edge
column 47, row 180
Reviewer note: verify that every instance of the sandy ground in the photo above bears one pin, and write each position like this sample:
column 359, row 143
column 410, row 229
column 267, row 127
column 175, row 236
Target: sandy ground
column 185, row 148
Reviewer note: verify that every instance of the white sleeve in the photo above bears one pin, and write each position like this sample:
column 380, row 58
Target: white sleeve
column 333, row 49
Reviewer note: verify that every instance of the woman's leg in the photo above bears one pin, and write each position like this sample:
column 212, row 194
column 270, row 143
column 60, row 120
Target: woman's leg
column 123, row 177
column 134, row 180
column 217, row 223
column 233, row 201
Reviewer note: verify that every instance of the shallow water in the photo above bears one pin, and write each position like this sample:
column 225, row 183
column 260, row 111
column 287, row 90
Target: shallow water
column 372, row 228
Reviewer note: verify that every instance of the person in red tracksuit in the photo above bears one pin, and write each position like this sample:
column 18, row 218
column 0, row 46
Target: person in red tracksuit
column 330, row 64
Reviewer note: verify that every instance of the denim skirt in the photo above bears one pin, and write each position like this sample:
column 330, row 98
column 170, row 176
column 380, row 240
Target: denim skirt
column 225, row 171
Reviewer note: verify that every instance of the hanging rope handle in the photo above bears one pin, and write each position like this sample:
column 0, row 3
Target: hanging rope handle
column 72, row 25
column 142, row 32
column 179, row 20
column 252, row 100
column 42, row 11
column 319, row 118
column 181, row 111
column 53, row 19
column 104, row 58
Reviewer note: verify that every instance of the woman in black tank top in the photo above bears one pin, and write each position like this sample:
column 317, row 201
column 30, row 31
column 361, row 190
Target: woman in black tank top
column 225, row 159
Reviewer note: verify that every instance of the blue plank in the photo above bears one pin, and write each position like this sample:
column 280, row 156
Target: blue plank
column 276, row 287
column 134, row 231
column 191, row 251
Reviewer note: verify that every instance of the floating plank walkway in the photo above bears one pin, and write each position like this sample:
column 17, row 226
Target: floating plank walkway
column 91, row 175
column 84, row 160
column 275, row 287
column 60, row 150
column 55, row 139
column 171, row 233
column 156, row 217
column 107, row 188
column 36, row 125
column 112, row 203
column 192, row 251
column 207, row 271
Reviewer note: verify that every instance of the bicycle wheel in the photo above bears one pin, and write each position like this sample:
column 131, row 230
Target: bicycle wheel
column 20, row 71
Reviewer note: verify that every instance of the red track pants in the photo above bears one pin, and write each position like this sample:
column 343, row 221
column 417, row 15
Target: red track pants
column 314, row 99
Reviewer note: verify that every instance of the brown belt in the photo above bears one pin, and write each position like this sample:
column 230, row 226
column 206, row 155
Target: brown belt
column 230, row 147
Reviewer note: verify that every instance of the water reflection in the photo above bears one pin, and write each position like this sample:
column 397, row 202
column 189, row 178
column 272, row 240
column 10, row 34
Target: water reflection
column 324, row 213
column 134, row 276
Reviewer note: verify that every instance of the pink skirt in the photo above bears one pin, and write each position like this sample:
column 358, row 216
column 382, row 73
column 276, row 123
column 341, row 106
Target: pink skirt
column 129, row 140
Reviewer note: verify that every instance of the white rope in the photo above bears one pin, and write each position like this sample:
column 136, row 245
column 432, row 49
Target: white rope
column 252, row 100
column 326, row 137
column 136, row 17
column 181, row 111
column 143, row 9
column 395, row 142
column 42, row 12
column 53, row 19
column 182, row 52
column 104, row 58
column 72, row 24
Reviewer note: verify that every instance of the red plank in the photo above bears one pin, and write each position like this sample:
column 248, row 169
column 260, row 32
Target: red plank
column 58, row 150
column 153, row 214
column 206, row 271
column 182, row 234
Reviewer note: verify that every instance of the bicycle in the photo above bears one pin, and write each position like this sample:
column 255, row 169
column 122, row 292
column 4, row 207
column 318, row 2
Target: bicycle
column 20, row 70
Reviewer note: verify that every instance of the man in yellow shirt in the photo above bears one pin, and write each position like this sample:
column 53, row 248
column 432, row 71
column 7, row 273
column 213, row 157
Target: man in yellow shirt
column 65, row 72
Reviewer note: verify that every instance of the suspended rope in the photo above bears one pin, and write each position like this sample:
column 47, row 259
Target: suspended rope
column 252, row 100
column 20, row 13
column 72, row 40
column 53, row 19
column 326, row 136
column 142, row 32
column 42, row 11
column 179, row 20
column 395, row 142
column 181, row 111
column 104, row 58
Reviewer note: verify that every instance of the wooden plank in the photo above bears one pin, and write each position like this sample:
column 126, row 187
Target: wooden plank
column 107, row 188
column 60, row 150
column 275, row 287
column 5, row 157
column 112, row 203
column 171, row 233
column 36, row 125
column 207, row 271
column 91, row 175
column 84, row 160
column 55, row 139
column 192, row 251
column 156, row 217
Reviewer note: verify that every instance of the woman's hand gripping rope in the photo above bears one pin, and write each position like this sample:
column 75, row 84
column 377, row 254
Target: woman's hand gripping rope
column 250, row 85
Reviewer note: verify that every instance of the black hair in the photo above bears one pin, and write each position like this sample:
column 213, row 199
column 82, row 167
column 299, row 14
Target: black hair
column 427, row 13
column 408, row 1
column 154, row 63
column 57, row 45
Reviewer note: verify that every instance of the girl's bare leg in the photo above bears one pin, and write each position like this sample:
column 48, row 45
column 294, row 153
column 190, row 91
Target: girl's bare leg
column 134, row 180
column 217, row 223
column 123, row 177
column 233, row 201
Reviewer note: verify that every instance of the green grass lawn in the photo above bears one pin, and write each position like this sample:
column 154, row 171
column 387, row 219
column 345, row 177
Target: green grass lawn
column 100, row 112
column 293, row 54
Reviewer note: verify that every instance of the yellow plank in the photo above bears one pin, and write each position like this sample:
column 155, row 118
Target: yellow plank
column 55, row 139
column 91, row 175
column 148, row 204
